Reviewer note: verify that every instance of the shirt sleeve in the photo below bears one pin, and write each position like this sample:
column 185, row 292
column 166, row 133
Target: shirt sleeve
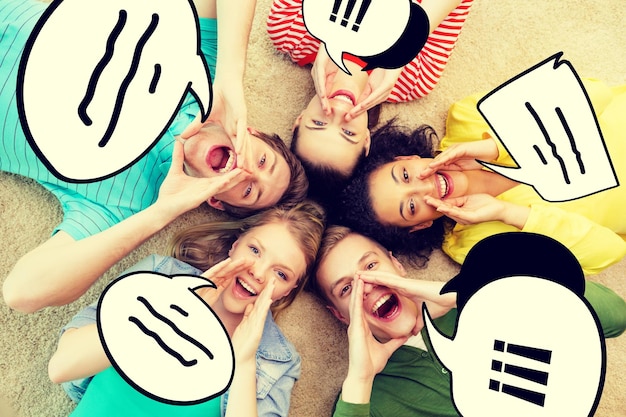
column 81, row 217
column 596, row 247
column 344, row 409
column 278, row 399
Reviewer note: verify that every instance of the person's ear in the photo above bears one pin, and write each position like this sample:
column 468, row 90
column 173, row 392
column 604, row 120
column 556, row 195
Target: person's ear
column 233, row 246
column 338, row 315
column 368, row 142
column 215, row 203
column 296, row 123
column 420, row 226
column 253, row 131
column 288, row 292
column 406, row 157
column 396, row 263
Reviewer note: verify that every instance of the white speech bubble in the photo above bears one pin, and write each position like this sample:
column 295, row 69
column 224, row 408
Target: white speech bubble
column 382, row 25
column 545, row 120
column 164, row 339
column 529, row 312
column 95, row 94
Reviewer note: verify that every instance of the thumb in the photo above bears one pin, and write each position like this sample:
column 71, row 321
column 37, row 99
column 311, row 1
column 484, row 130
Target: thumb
column 193, row 127
column 178, row 157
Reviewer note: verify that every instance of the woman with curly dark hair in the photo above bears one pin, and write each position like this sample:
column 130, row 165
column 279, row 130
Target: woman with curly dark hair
column 401, row 196
column 356, row 207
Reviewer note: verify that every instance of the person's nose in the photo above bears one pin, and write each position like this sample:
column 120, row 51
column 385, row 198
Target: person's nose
column 420, row 187
column 367, row 288
column 338, row 113
column 257, row 272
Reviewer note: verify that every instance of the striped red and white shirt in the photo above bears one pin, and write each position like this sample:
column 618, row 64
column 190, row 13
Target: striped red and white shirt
column 285, row 26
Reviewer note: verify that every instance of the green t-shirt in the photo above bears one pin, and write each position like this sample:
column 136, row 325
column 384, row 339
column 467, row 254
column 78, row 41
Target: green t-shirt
column 413, row 383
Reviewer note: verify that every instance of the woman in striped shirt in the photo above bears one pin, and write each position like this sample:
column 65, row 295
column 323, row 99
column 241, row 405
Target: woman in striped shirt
column 333, row 132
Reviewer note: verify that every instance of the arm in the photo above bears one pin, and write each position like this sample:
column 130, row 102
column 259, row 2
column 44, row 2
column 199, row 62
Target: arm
column 381, row 81
column 242, row 391
column 62, row 269
column 367, row 356
column 79, row 353
column 438, row 10
column 596, row 247
column 229, row 106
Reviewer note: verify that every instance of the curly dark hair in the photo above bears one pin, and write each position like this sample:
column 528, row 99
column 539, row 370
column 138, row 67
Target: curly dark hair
column 355, row 203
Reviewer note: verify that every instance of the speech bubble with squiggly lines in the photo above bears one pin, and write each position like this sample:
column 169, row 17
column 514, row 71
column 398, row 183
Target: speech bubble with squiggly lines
column 94, row 95
column 546, row 122
column 163, row 339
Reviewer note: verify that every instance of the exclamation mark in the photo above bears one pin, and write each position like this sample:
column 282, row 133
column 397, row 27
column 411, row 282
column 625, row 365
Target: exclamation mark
column 348, row 12
column 359, row 18
column 333, row 14
column 539, row 377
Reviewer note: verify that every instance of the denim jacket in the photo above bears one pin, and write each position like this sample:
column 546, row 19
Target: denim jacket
column 278, row 364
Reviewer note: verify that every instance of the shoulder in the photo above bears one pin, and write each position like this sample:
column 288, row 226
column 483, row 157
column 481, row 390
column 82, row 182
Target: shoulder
column 165, row 265
column 278, row 361
column 274, row 345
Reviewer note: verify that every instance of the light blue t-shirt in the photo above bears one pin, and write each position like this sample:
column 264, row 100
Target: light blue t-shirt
column 91, row 207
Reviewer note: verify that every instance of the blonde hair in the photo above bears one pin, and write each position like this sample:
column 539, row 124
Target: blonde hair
column 206, row 244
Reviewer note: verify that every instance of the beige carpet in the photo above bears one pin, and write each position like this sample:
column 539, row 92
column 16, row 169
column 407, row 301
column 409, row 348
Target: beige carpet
column 501, row 39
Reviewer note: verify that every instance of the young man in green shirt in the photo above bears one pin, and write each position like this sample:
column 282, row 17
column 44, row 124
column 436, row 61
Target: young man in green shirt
column 393, row 370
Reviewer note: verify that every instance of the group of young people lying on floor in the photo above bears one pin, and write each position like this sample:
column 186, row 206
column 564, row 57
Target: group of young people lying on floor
column 379, row 190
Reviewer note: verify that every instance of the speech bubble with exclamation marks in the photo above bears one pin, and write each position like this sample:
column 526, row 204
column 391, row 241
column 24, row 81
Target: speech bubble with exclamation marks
column 94, row 95
column 525, row 343
column 383, row 33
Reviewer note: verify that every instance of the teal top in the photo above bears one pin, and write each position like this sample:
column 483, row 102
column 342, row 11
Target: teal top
column 88, row 208
column 110, row 395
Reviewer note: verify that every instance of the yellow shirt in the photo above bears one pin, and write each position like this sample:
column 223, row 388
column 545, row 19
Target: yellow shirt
column 592, row 227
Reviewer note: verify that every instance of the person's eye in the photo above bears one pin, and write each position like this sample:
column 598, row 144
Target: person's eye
column 254, row 249
column 405, row 174
column 282, row 275
column 348, row 132
column 262, row 160
column 411, row 206
column 345, row 290
column 371, row 265
column 247, row 191
column 318, row 122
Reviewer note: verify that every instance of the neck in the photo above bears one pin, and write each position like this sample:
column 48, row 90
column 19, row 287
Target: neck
column 229, row 320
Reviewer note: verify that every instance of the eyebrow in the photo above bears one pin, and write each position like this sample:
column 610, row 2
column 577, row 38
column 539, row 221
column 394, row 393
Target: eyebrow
column 395, row 179
column 343, row 135
column 348, row 277
column 271, row 171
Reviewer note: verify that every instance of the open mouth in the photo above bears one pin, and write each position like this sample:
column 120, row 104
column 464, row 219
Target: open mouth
column 445, row 188
column 386, row 307
column 221, row 159
column 344, row 95
column 244, row 288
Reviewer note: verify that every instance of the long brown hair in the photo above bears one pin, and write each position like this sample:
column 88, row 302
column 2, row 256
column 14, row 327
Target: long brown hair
column 206, row 244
